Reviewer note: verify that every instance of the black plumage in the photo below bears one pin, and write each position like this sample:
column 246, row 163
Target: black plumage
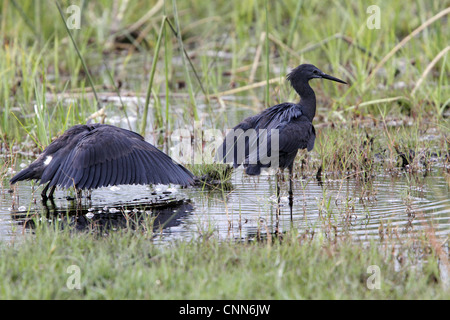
column 100, row 155
column 290, row 124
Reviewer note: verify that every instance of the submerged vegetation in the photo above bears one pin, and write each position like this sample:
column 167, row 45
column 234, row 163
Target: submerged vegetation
column 161, row 66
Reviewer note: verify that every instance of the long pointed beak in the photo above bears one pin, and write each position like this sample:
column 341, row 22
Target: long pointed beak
column 326, row 76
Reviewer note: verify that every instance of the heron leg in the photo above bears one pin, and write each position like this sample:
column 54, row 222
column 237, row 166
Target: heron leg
column 52, row 190
column 278, row 209
column 278, row 186
column 319, row 176
column 291, row 194
column 44, row 192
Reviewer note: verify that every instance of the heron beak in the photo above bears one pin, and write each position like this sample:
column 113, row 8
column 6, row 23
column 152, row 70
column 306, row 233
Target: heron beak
column 326, row 76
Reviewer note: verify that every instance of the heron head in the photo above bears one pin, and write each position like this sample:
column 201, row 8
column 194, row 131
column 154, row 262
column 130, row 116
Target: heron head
column 306, row 72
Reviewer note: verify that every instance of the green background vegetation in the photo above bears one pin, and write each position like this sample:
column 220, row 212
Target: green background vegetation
column 230, row 44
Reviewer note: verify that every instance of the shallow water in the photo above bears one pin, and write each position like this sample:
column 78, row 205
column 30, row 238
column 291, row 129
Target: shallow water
column 404, row 205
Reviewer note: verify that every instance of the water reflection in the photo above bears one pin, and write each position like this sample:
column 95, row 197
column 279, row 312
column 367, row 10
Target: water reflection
column 386, row 205
column 155, row 215
column 364, row 209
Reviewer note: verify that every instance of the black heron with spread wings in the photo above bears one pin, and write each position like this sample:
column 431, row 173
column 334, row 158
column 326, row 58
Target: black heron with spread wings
column 100, row 155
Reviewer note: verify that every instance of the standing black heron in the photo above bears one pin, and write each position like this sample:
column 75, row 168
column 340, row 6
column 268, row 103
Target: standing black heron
column 100, row 155
column 274, row 136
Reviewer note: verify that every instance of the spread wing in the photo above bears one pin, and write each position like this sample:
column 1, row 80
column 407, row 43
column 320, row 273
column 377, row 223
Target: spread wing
column 109, row 155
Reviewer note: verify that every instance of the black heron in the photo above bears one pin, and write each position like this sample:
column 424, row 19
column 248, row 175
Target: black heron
column 274, row 136
column 98, row 155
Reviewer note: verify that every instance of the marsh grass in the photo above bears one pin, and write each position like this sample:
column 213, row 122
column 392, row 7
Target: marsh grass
column 367, row 150
column 212, row 173
column 296, row 266
column 191, row 33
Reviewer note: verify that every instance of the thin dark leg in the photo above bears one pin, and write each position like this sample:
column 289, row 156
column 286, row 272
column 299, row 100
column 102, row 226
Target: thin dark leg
column 319, row 176
column 44, row 192
column 52, row 190
column 291, row 194
column 278, row 186
column 279, row 172
column 278, row 192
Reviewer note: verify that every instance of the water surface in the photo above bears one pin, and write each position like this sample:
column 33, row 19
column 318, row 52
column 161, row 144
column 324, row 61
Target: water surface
column 400, row 205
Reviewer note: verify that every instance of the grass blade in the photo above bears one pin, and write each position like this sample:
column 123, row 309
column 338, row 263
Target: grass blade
column 152, row 75
column 91, row 83
column 186, row 71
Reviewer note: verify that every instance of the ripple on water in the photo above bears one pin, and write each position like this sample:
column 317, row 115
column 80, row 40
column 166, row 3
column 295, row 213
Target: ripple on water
column 361, row 209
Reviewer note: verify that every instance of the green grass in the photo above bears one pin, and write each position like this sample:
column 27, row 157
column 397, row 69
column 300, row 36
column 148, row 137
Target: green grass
column 38, row 59
column 128, row 265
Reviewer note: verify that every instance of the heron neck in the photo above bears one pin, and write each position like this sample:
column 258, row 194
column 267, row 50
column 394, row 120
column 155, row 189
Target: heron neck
column 307, row 100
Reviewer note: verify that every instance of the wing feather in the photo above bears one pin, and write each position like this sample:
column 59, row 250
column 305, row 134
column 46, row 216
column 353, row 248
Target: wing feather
column 109, row 155
column 256, row 146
